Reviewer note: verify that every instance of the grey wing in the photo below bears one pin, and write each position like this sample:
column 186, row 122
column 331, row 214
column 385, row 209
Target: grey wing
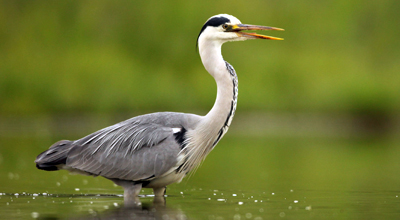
column 131, row 150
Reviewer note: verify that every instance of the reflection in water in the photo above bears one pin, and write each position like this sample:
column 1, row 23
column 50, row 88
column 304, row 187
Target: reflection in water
column 137, row 210
column 283, row 202
column 293, row 177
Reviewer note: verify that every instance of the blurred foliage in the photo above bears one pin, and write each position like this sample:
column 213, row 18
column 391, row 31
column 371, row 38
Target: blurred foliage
column 119, row 56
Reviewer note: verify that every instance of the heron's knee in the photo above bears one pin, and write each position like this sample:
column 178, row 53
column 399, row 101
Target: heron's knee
column 160, row 192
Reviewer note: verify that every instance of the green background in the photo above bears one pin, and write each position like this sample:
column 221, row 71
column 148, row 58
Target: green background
column 318, row 113
column 112, row 57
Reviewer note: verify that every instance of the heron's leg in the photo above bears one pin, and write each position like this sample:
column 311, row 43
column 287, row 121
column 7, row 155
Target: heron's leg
column 159, row 198
column 160, row 192
column 131, row 191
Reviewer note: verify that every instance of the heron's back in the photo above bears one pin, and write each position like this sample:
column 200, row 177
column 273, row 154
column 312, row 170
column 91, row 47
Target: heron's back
column 143, row 147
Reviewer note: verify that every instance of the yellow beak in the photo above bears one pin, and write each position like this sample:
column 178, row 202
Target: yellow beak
column 244, row 27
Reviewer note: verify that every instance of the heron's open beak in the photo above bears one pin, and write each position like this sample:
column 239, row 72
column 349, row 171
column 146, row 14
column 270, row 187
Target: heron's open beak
column 244, row 27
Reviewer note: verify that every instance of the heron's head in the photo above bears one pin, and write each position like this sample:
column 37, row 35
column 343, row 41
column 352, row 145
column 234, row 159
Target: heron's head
column 223, row 28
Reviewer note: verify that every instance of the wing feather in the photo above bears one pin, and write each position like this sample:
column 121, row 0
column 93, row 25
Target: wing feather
column 139, row 148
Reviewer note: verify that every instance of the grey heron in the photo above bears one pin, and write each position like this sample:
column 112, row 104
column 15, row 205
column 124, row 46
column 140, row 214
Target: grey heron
column 155, row 150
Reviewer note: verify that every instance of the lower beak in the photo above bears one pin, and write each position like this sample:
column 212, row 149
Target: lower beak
column 245, row 27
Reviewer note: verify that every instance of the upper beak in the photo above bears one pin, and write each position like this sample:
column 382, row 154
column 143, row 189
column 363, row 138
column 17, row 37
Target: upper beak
column 244, row 27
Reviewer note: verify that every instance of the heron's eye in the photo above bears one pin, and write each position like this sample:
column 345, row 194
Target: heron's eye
column 225, row 26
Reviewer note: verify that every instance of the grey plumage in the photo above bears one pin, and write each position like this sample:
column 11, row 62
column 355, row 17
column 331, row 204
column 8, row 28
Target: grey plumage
column 140, row 148
column 158, row 149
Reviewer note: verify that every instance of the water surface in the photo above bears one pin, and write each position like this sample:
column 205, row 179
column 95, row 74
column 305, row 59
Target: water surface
column 243, row 178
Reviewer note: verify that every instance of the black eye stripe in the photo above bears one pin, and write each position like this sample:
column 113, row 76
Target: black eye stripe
column 214, row 22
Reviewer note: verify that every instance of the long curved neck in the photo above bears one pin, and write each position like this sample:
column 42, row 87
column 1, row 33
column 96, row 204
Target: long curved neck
column 220, row 116
column 215, row 124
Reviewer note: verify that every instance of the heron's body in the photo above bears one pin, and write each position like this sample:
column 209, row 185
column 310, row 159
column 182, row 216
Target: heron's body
column 155, row 150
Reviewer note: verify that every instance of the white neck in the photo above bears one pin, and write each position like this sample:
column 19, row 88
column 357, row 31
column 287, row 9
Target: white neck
column 215, row 64
column 215, row 124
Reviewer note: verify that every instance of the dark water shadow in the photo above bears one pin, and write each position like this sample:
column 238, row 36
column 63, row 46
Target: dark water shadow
column 129, row 209
column 135, row 209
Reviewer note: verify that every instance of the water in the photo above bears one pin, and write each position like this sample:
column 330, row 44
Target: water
column 208, row 204
column 243, row 178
